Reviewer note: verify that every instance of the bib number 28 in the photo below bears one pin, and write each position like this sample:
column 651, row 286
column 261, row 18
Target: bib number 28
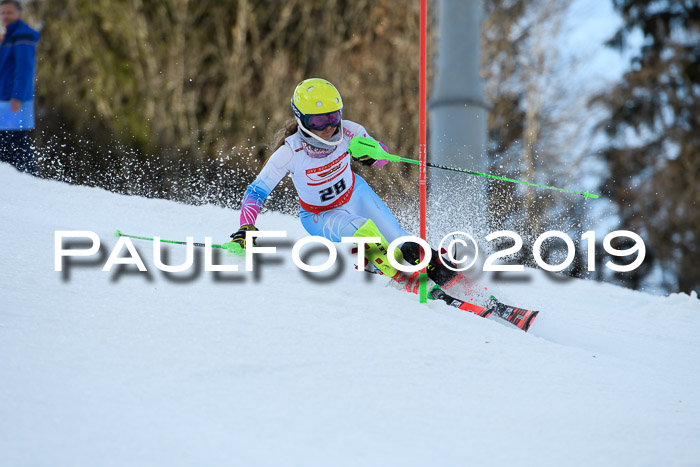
column 331, row 192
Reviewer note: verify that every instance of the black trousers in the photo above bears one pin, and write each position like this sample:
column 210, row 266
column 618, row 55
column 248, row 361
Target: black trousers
column 16, row 150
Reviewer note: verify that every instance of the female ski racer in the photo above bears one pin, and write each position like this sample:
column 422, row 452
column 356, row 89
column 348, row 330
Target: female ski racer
column 335, row 201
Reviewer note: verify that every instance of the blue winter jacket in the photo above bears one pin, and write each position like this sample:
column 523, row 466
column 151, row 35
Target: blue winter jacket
column 18, row 62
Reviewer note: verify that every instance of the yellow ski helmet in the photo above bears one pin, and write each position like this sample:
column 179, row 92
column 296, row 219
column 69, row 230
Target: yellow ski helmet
column 316, row 104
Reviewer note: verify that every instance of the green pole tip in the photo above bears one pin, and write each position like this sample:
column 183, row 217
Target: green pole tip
column 118, row 233
column 423, row 287
column 234, row 248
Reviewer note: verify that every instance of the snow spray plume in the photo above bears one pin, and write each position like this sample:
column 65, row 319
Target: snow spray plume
column 361, row 146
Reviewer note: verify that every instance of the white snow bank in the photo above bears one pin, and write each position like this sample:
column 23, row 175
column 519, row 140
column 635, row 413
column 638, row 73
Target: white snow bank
column 273, row 368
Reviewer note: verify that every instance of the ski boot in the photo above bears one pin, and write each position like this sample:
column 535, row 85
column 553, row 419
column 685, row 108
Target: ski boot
column 376, row 254
column 437, row 271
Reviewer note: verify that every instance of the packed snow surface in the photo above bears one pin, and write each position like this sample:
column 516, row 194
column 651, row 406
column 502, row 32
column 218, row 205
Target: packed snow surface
column 281, row 367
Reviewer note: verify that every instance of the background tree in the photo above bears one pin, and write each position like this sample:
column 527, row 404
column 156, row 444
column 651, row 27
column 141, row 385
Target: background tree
column 535, row 123
column 653, row 122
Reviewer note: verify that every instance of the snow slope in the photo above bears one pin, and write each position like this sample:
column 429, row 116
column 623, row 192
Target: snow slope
column 278, row 368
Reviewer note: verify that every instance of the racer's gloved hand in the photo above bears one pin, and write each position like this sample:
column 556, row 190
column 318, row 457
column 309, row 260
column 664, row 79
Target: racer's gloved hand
column 239, row 237
column 364, row 159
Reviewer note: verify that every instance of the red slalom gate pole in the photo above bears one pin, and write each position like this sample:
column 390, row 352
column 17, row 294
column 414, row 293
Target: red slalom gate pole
column 423, row 288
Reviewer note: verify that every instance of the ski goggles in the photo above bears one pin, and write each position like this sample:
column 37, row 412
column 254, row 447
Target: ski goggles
column 323, row 121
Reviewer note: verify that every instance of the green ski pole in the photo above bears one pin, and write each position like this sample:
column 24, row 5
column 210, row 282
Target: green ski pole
column 367, row 146
column 231, row 247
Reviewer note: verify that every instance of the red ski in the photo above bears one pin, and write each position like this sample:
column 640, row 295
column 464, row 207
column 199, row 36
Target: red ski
column 520, row 317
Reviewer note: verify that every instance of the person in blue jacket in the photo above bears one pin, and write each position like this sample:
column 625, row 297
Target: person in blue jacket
column 17, row 67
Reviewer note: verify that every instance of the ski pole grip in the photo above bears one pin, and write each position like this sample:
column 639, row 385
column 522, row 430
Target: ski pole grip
column 363, row 146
